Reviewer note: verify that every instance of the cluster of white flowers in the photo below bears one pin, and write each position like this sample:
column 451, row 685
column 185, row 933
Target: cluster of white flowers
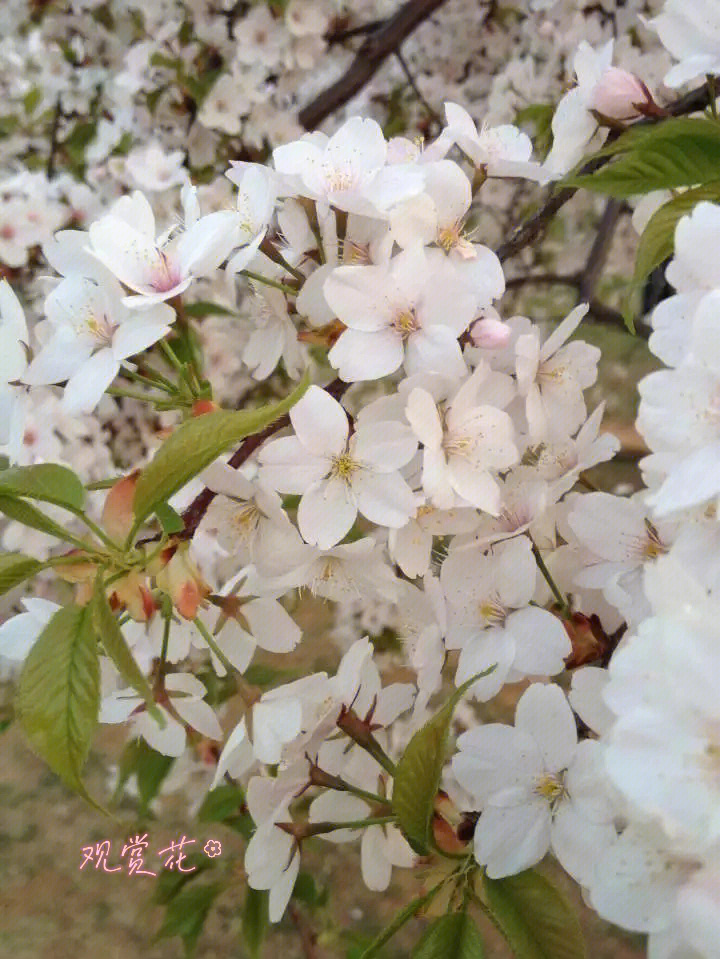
column 438, row 480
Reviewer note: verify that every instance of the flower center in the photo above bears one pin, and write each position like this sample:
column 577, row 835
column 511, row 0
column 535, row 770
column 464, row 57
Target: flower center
column 165, row 274
column 101, row 329
column 492, row 612
column 652, row 546
column 405, row 322
column 550, row 787
column 344, row 466
column 339, row 180
column 245, row 519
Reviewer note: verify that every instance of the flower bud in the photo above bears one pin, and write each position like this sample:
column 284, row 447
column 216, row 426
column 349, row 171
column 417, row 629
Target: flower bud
column 490, row 333
column 132, row 594
column 118, row 515
column 182, row 581
column 620, row 95
column 200, row 407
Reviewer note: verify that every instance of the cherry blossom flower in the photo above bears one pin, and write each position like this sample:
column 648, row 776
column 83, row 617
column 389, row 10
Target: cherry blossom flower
column 347, row 170
column 337, row 474
column 157, row 268
column 552, row 377
column 490, row 619
column 93, row 333
column 463, row 450
column 186, row 694
column 410, row 312
column 538, row 789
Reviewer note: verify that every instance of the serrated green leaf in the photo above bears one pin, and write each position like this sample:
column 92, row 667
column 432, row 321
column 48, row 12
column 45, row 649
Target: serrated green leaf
column 197, row 443
column 170, row 519
column 187, row 911
column 58, row 697
column 454, row 936
column 417, row 776
column 220, row 803
column 534, row 917
column 680, row 153
column 114, row 644
column 254, row 920
column 16, row 568
column 47, row 482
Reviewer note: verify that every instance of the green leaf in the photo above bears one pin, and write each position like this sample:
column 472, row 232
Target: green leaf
column 254, row 920
column 540, row 116
column 658, row 238
column 202, row 308
column 675, row 153
column 16, row 568
column 187, row 912
column 534, row 917
column 114, row 644
column 417, row 776
column 149, row 767
column 170, row 519
column 454, row 936
column 45, row 481
column 197, row 443
column 399, row 920
column 28, row 515
column 220, row 803
column 58, row 697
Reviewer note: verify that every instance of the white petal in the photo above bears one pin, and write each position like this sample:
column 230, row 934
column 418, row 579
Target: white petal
column 86, row 387
column 320, row 423
column 508, row 840
column 326, row 513
column 271, row 625
column 543, row 713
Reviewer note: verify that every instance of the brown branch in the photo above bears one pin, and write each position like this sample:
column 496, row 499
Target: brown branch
column 598, row 310
column 600, row 248
column 194, row 513
column 308, row 936
column 431, row 111
column 534, row 227
column 375, row 49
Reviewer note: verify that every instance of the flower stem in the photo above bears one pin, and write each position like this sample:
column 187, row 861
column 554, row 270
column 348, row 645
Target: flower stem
column 259, row 278
column 561, row 600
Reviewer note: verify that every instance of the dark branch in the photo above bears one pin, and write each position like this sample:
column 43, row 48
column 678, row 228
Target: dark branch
column 431, row 112
column 598, row 311
column 375, row 49
column 600, row 248
column 535, row 227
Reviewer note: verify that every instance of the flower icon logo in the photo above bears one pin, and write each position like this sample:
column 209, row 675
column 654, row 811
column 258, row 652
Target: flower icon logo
column 212, row 848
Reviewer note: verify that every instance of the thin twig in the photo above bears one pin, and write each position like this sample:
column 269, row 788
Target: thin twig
column 600, row 248
column 375, row 49
column 536, row 225
column 308, row 937
column 598, row 310
column 431, row 112
column 54, row 140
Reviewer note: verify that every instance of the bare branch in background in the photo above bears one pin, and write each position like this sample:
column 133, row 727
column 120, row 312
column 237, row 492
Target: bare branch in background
column 534, row 227
column 375, row 49
column 600, row 249
column 431, row 112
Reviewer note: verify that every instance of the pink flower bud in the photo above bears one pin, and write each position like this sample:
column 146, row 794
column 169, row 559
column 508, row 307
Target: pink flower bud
column 620, row 95
column 490, row 333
